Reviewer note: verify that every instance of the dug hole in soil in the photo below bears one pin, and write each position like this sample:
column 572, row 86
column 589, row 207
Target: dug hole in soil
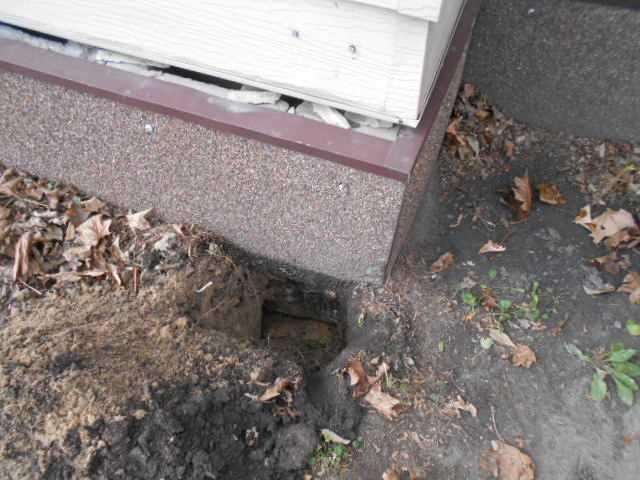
column 174, row 362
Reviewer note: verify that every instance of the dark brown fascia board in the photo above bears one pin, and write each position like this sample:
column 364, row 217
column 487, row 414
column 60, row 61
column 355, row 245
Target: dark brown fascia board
column 363, row 152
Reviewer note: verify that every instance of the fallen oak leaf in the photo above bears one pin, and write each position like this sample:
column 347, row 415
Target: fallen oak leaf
column 523, row 356
column 444, row 262
column 274, row 391
column 93, row 205
column 138, row 221
column 22, row 265
column 606, row 225
column 454, row 407
column 358, row 378
column 492, row 247
column 384, row 403
column 506, row 462
column 523, row 193
column 550, row 193
column 93, row 230
column 10, row 188
column 627, row 238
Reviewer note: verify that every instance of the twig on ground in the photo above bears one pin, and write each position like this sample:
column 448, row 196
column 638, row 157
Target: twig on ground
column 495, row 426
column 24, row 284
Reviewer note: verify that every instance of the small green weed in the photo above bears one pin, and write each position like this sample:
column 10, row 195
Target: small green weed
column 470, row 299
column 333, row 456
column 505, row 304
column 330, row 456
column 633, row 328
column 530, row 309
column 616, row 364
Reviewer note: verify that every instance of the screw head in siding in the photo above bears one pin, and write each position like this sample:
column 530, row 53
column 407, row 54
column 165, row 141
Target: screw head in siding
column 295, row 33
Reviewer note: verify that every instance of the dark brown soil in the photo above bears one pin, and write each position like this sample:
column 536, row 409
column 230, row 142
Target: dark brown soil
column 100, row 383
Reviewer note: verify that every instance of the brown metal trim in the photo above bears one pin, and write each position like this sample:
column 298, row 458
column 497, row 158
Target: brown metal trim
column 293, row 132
column 394, row 160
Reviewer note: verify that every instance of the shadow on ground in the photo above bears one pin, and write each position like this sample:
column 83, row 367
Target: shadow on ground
column 545, row 409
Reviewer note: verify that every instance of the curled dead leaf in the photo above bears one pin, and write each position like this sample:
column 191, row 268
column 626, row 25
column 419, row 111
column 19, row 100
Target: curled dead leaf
column 523, row 356
column 391, row 474
column 384, row 403
column 11, row 188
column 550, row 193
column 274, row 391
column 609, row 263
column 523, row 193
column 358, row 378
column 454, row 407
column 444, row 262
column 138, row 221
column 624, row 239
column 22, row 257
column 93, row 230
column 492, row 247
column 506, row 462
column 93, row 205
column 607, row 225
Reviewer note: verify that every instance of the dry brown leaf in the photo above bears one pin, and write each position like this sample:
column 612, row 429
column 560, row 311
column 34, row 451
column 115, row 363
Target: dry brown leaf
column 332, row 437
column 612, row 263
column 454, row 407
column 5, row 213
column 453, row 131
column 391, row 474
column 5, row 222
column 358, row 378
column 631, row 285
column 389, row 406
column 610, row 223
column 492, row 247
column 523, row 193
column 523, row 356
column 10, row 188
column 608, row 263
column 70, row 234
column 92, row 231
column 501, row 338
column 550, row 193
column 93, row 205
column 53, row 198
column 627, row 238
column 274, row 391
column 22, row 257
column 138, row 221
column 509, row 149
column 506, row 462
column 444, row 262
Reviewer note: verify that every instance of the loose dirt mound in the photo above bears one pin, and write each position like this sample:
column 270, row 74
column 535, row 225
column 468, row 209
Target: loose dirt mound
column 103, row 383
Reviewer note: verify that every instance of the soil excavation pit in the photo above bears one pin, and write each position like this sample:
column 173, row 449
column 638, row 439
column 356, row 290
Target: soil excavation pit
column 100, row 383
column 311, row 343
